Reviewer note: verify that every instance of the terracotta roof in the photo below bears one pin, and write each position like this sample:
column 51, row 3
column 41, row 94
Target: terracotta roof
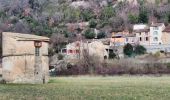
column 167, row 29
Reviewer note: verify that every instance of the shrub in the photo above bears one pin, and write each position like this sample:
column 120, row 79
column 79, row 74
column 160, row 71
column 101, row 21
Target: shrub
column 89, row 34
column 51, row 52
column 139, row 50
column 157, row 54
column 101, row 35
column 128, row 50
column 87, row 15
column 93, row 23
column 107, row 12
column 114, row 67
column 169, row 17
column 133, row 19
column 60, row 57
column 143, row 16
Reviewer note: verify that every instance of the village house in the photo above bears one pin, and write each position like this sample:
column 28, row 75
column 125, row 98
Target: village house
column 25, row 58
column 0, row 70
column 118, row 38
column 155, row 37
column 132, row 39
column 166, row 36
column 143, row 36
column 156, row 30
column 141, row 32
column 77, row 49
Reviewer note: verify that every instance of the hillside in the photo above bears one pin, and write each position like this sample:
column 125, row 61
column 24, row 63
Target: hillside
column 64, row 19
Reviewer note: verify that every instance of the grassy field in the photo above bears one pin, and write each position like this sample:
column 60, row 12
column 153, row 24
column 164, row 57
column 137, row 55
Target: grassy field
column 91, row 88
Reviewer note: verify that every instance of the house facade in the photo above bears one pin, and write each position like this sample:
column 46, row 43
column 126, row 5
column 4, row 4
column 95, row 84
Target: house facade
column 156, row 33
column 25, row 58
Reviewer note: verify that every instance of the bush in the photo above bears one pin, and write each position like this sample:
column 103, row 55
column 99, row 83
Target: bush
column 114, row 67
column 87, row 15
column 139, row 50
column 133, row 19
column 60, row 57
column 89, row 34
column 157, row 54
column 169, row 17
column 128, row 50
column 93, row 23
column 101, row 35
column 107, row 12
column 143, row 16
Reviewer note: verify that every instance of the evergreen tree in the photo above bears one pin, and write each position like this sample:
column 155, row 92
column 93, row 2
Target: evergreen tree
column 128, row 50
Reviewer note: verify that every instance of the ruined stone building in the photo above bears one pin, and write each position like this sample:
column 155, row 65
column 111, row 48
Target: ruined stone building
column 76, row 50
column 25, row 58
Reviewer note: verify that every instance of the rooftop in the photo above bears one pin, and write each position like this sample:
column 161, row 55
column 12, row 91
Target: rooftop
column 141, row 30
column 156, row 24
column 167, row 29
column 26, row 37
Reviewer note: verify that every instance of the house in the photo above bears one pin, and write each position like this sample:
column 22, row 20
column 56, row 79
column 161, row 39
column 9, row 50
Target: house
column 143, row 36
column 156, row 30
column 118, row 38
column 166, row 36
column 76, row 50
column 0, row 71
column 25, row 58
column 132, row 39
column 154, row 38
column 149, row 35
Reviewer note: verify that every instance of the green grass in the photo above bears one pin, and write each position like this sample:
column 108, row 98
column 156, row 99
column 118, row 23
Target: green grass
column 91, row 88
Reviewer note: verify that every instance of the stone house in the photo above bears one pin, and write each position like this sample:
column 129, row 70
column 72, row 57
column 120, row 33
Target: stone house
column 0, row 71
column 166, row 35
column 132, row 39
column 143, row 36
column 149, row 35
column 76, row 50
column 25, row 58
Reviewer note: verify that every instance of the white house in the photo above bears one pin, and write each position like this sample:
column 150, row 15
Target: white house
column 156, row 30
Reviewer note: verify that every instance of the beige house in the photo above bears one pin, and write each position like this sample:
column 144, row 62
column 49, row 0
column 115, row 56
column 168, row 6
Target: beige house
column 0, row 71
column 166, row 35
column 143, row 36
column 25, row 58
